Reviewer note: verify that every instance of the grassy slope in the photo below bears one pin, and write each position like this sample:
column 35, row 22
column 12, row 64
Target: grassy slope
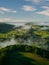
column 38, row 60
column 17, row 57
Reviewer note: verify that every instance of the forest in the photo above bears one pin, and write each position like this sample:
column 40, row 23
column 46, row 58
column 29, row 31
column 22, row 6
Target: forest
column 34, row 52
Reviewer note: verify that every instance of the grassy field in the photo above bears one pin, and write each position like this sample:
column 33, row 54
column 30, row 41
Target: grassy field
column 37, row 59
column 23, row 58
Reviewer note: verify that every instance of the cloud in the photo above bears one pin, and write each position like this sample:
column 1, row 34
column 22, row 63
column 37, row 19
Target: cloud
column 28, row 8
column 4, row 19
column 3, row 10
column 45, row 7
column 45, row 11
column 11, row 20
column 41, row 23
column 35, row 1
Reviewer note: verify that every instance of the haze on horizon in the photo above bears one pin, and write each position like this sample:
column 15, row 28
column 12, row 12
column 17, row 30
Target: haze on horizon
column 36, row 11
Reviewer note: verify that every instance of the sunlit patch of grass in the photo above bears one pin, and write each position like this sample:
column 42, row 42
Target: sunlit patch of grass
column 39, row 60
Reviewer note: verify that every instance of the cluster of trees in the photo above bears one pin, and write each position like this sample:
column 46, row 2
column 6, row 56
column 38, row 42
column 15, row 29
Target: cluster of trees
column 22, row 35
column 24, row 48
column 4, row 28
column 7, row 31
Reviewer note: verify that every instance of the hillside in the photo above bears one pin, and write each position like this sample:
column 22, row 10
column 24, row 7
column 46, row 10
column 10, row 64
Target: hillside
column 36, row 35
column 4, row 27
column 27, row 45
column 23, row 54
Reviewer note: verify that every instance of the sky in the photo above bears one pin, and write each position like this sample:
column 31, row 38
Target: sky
column 24, row 11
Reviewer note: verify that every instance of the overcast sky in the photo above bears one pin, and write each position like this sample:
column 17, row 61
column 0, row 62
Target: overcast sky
column 24, row 10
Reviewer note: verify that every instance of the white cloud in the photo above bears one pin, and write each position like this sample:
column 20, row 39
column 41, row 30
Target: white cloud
column 45, row 7
column 41, row 23
column 35, row 1
column 4, row 19
column 18, row 20
column 28, row 8
column 3, row 10
column 11, row 20
column 45, row 11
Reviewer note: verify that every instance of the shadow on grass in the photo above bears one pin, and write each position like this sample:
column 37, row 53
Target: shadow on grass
column 15, row 58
